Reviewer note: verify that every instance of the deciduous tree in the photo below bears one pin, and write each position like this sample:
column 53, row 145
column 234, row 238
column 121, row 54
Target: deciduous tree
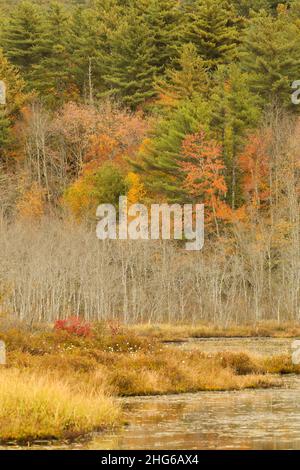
column 203, row 168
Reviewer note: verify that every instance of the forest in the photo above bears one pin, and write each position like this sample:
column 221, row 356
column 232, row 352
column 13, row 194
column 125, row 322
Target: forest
column 178, row 101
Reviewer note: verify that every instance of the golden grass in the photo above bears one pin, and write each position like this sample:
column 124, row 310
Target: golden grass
column 35, row 407
column 164, row 371
column 128, row 365
column 177, row 372
column 177, row 332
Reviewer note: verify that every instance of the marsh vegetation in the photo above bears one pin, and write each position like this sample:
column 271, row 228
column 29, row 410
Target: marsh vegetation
column 58, row 385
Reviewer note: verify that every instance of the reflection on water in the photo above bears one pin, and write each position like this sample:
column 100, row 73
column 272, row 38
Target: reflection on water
column 249, row 419
column 254, row 419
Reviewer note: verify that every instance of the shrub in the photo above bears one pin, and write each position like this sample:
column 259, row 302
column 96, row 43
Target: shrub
column 95, row 186
column 75, row 326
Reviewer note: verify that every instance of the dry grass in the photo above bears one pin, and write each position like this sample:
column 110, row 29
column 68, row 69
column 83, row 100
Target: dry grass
column 126, row 364
column 178, row 332
column 35, row 406
column 162, row 372
column 177, row 372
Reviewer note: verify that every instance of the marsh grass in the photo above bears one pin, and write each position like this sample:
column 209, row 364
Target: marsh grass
column 180, row 332
column 129, row 364
column 35, row 406
column 57, row 385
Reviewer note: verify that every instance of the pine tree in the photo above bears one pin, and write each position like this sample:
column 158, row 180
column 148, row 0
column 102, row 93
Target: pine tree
column 159, row 159
column 244, row 7
column 270, row 54
column 15, row 97
column 211, row 26
column 21, row 37
column 163, row 19
column 51, row 75
column 190, row 79
column 89, row 44
column 129, row 73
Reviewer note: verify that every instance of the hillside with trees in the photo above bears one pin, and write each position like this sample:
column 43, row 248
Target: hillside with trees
column 164, row 101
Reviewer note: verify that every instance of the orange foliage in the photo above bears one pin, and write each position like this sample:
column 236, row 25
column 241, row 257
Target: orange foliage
column 254, row 163
column 31, row 206
column 102, row 148
column 202, row 163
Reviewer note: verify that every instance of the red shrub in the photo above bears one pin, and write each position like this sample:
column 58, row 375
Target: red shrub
column 75, row 326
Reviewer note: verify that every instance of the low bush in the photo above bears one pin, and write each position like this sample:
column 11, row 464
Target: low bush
column 75, row 326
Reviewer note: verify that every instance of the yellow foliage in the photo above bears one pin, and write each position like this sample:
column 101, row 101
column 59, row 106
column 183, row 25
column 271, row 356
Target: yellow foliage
column 145, row 145
column 136, row 191
column 78, row 198
column 95, row 186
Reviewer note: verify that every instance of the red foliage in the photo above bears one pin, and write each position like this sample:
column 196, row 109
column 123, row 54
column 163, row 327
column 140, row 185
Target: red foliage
column 75, row 326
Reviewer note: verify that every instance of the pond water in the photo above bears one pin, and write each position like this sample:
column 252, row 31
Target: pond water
column 248, row 419
column 254, row 419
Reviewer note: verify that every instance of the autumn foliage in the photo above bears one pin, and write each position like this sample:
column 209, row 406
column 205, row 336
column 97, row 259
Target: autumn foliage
column 31, row 205
column 136, row 189
column 75, row 326
column 101, row 185
column 94, row 135
column 254, row 163
column 203, row 167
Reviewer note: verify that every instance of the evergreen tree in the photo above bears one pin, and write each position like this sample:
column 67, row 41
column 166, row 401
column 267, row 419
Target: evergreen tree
column 89, row 44
column 190, row 79
column 235, row 110
column 270, row 54
column 130, row 71
column 159, row 157
column 244, row 7
column 15, row 97
column 21, row 37
column 51, row 75
column 211, row 26
column 163, row 19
